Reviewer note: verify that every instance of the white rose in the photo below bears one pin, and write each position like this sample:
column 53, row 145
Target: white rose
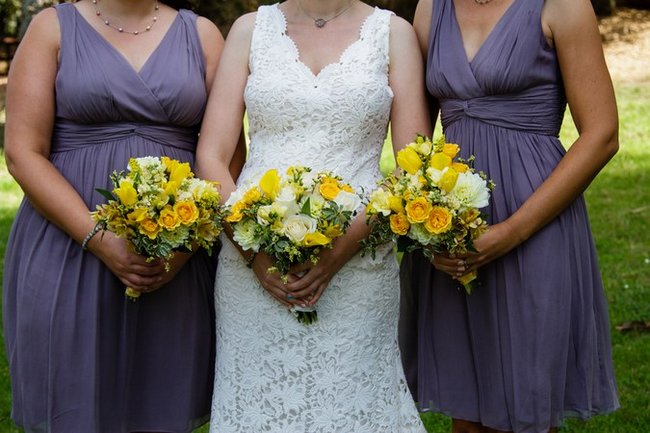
column 471, row 190
column 244, row 235
column 297, row 226
column 348, row 201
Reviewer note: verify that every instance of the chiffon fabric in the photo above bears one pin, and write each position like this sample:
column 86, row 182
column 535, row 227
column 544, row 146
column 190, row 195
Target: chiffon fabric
column 531, row 345
column 82, row 357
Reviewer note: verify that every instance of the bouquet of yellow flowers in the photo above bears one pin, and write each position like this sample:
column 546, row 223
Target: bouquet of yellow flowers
column 160, row 207
column 292, row 218
column 431, row 203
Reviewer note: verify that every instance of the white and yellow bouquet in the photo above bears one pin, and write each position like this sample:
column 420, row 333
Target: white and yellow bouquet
column 292, row 218
column 432, row 202
column 160, row 207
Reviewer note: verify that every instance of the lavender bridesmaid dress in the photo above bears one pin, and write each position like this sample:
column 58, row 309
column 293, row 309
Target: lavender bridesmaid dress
column 83, row 358
column 532, row 345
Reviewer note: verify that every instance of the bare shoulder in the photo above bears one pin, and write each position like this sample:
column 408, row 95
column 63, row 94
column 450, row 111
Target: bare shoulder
column 400, row 28
column 207, row 29
column 561, row 17
column 244, row 25
column 44, row 28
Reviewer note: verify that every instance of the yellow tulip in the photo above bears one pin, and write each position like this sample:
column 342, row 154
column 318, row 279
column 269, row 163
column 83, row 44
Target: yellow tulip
column 395, row 204
column 126, row 192
column 409, row 160
column 439, row 161
column 180, row 172
column 448, row 179
column 270, row 183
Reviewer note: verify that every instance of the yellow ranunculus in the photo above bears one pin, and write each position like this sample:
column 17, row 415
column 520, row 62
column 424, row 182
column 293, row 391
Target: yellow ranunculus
column 409, row 160
column 180, row 171
column 450, row 149
column 149, row 228
column 448, row 179
column 138, row 214
column 439, row 161
column 168, row 219
column 438, row 221
column 395, row 204
column 187, row 212
column 459, row 167
column 399, row 224
column 418, row 210
column 235, row 215
column 329, row 190
column 270, row 183
column 315, row 239
column 126, row 192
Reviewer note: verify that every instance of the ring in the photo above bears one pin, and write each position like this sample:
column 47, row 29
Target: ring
column 289, row 296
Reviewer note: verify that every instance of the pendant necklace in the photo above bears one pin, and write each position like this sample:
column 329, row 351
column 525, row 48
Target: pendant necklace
column 320, row 22
column 121, row 29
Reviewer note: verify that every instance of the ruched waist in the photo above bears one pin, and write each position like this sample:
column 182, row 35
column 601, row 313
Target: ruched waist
column 538, row 111
column 69, row 135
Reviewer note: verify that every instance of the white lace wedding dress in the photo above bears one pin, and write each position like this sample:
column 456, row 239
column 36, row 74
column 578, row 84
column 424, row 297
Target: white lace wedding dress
column 343, row 373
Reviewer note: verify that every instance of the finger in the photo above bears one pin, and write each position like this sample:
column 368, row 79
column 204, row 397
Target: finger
column 317, row 294
column 304, row 282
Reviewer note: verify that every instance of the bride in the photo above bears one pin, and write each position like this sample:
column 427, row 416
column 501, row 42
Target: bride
column 320, row 80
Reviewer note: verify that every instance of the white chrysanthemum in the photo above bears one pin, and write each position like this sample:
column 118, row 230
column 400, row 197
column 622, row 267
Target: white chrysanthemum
column 297, row 226
column 348, row 201
column 471, row 191
column 244, row 235
column 380, row 201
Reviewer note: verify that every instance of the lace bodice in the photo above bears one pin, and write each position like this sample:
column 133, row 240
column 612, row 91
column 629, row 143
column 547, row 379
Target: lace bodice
column 336, row 120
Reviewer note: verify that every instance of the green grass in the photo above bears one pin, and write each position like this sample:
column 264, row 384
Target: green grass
column 619, row 206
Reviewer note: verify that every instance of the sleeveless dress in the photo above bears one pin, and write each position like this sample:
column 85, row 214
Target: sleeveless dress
column 343, row 373
column 83, row 358
column 532, row 344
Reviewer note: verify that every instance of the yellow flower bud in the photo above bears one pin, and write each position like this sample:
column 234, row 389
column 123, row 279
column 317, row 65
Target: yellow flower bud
column 439, row 161
column 270, row 183
column 448, row 179
column 409, row 160
column 126, row 192
column 315, row 239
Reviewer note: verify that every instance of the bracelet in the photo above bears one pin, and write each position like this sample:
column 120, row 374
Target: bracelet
column 98, row 227
column 251, row 259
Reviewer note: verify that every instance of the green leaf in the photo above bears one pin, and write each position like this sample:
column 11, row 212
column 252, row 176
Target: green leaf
column 107, row 194
column 306, row 207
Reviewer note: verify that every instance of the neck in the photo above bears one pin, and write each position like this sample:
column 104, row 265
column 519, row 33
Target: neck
column 324, row 8
column 127, row 8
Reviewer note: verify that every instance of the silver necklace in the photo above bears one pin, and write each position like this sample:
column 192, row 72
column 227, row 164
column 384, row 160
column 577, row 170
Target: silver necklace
column 121, row 29
column 320, row 22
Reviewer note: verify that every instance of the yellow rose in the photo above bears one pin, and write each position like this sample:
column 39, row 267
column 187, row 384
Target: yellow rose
column 450, row 149
column 395, row 204
column 126, row 192
column 448, row 179
column 315, row 239
column 438, row 221
column 187, row 212
column 459, row 167
column 180, row 171
column 329, row 190
column 149, row 228
column 409, row 160
column 169, row 219
column 399, row 224
column 439, row 161
column 270, row 183
column 418, row 210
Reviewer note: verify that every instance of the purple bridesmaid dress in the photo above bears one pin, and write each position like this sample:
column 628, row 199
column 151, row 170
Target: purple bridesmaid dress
column 531, row 345
column 82, row 358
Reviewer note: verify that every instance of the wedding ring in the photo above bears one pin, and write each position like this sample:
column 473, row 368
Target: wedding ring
column 289, row 296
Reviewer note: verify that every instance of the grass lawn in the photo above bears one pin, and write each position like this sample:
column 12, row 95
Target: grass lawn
column 619, row 206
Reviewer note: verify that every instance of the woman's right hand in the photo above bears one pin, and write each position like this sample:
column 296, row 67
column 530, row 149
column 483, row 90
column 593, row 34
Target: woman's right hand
column 132, row 269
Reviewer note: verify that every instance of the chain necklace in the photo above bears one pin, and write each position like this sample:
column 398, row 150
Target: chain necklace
column 320, row 22
column 121, row 29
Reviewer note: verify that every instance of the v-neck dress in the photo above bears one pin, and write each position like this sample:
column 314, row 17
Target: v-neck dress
column 532, row 344
column 83, row 358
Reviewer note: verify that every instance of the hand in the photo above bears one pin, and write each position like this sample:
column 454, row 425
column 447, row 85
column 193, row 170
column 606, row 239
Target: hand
column 272, row 282
column 132, row 269
column 175, row 265
column 310, row 287
column 497, row 241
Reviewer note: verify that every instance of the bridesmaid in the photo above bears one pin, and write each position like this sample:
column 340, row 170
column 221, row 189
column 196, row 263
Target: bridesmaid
column 531, row 346
column 92, row 84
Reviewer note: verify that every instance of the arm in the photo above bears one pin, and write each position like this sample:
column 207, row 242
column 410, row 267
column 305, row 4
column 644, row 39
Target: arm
column 573, row 29
column 422, row 26
column 409, row 116
column 30, row 120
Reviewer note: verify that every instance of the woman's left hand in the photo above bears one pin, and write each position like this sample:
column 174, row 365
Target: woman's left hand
column 317, row 277
column 497, row 241
column 175, row 265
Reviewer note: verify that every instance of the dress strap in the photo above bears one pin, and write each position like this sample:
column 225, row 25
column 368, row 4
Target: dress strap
column 376, row 30
column 269, row 26
column 67, row 15
column 189, row 26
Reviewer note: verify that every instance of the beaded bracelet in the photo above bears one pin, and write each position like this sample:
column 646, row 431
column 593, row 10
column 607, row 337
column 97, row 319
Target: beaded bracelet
column 98, row 227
